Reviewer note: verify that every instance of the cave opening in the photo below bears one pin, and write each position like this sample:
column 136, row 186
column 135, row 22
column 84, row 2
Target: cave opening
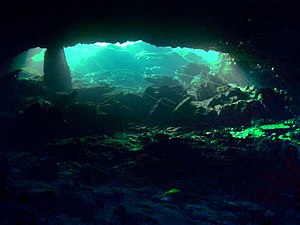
column 137, row 64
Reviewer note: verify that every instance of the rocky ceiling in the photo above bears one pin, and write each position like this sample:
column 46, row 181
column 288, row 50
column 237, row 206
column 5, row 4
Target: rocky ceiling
column 264, row 30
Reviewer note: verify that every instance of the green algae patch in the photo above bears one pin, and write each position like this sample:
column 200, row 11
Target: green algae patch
column 125, row 141
column 274, row 126
column 259, row 131
column 172, row 191
column 287, row 130
column 249, row 132
column 285, row 137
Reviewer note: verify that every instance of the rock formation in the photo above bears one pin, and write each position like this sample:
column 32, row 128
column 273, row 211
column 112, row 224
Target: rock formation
column 57, row 74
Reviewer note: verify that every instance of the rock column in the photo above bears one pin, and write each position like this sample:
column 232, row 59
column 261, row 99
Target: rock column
column 57, row 75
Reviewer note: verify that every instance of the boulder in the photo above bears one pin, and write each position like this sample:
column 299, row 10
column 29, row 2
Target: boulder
column 254, row 109
column 230, row 115
column 219, row 99
column 236, row 92
column 160, row 113
column 93, row 94
column 176, row 93
column 204, row 92
column 275, row 102
column 40, row 122
column 118, row 110
column 136, row 104
column 187, row 72
column 83, row 118
column 183, row 114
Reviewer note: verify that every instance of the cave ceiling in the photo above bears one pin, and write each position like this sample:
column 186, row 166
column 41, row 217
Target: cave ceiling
column 265, row 30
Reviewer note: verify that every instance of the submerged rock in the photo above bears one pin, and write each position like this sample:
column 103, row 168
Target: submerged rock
column 176, row 93
column 187, row 72
column 93, row 94
column 173, row 94
column 276, row 103
column 183, row 113
column 138, row 105
column 254, row 109
column 83, row 119
column 121, row 112
column 8, row 80
column 204, row 92
column 40, row 122
column 160, row 113
column 159, row 80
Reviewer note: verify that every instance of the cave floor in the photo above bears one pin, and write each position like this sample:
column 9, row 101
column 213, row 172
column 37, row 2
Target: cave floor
column 138, row 173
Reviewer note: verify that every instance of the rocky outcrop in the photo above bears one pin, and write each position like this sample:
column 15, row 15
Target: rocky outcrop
column 187, row 73
column 57, row 74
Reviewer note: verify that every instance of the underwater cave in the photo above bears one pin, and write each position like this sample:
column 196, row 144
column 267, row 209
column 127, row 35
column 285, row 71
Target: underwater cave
column 182, row 125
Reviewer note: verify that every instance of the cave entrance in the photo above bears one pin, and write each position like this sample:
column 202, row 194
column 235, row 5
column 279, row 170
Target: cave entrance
column 137, row 64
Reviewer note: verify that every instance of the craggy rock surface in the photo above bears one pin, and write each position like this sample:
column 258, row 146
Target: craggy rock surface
column 101, row 155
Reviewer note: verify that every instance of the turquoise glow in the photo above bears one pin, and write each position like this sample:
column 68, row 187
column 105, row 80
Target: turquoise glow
column 39, row 57
column 79, row 52
column 211, row 56
column 90, row 62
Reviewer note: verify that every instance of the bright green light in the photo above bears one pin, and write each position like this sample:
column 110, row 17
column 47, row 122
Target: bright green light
column 252, row 131
column 39, row 57
column 259, row 131
column 172, row 191
column 274, row 126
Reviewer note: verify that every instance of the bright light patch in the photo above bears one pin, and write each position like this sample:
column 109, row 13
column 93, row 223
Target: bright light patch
column 39, row 57
column 101, row 44
column 251, row 131
column 76, row 54
column 125, row 44
column 211, row 56
column 274, row 126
